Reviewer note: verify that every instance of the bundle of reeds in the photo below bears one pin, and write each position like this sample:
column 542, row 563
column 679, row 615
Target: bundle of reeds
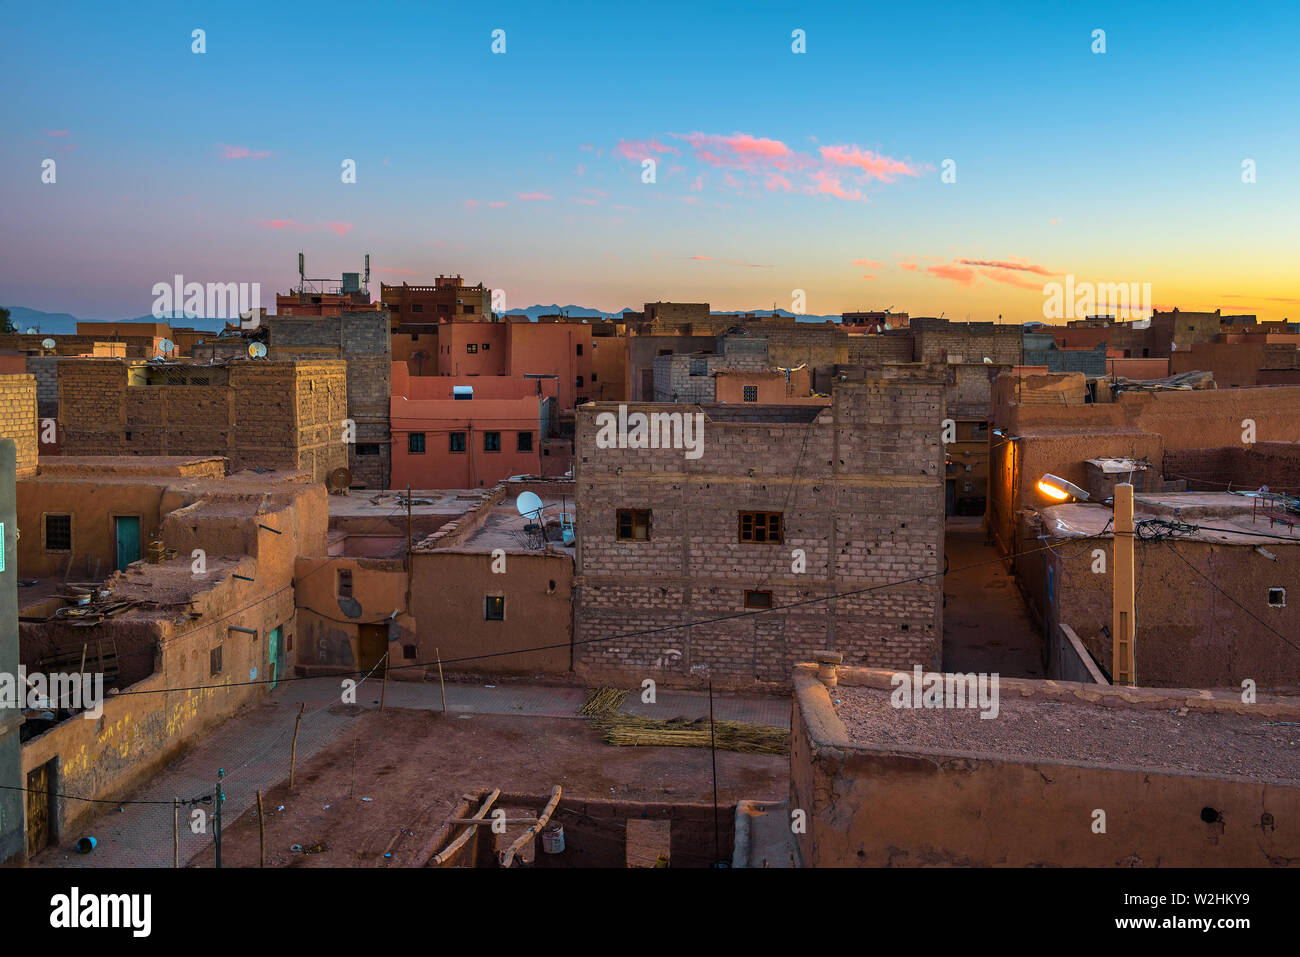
column 632, row 730
column 602, row 701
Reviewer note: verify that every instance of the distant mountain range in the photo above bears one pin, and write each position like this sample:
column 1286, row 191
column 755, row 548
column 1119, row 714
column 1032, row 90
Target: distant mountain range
column 62, row 323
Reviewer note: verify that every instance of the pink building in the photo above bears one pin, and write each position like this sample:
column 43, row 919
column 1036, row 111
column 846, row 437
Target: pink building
column 470, row 431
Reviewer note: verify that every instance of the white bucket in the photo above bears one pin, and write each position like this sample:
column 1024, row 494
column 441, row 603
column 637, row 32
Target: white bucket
column 553, row 839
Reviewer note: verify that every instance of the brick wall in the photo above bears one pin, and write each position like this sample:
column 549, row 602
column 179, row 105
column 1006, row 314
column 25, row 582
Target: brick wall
column 18, row 418
column 674, row 381
column 860, row 489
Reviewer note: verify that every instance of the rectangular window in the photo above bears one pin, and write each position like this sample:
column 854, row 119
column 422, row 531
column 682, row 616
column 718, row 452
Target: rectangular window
column 593, row 377
column 491, row 441
column 524, row 442
column 1277, row 597
column 758, row 599
column 494, row 608
column 760, row 527
column 415, row 443
column 579, row 382
column 487, row 346
column 751, row 393
column 579, row 348
column 214, row 661
column 456, row 442
column 345, row 583
column 471, row 348
column 634, row 524
column 58, row 533
column 469, row 310
column 417, row 307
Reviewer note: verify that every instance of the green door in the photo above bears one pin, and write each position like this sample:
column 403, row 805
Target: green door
column 273, row 655
column 128, row 540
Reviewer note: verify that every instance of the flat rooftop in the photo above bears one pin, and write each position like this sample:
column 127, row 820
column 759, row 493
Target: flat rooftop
column 1236, row 518
column 504, row 526
column 1029, row 728
column 376, row 504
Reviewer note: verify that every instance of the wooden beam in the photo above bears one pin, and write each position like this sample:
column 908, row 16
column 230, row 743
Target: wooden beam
column 457, row 844
column 508, row 855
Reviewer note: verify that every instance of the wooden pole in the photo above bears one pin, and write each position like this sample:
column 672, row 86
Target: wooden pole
column 1123, row 666
column 441, row 683
column 293, row 751
column 176, row 832
column 465, row 835
column 383, row 688
column 261, row 833
column 409, row 530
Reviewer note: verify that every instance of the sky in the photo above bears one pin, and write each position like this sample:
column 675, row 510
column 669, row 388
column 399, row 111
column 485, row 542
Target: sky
column 811, row 179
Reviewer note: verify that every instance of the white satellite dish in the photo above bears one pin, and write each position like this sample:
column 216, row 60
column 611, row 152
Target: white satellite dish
column 48, row 343
column 165, row 346
column 33, row 331
column 529, row 505
column 257, row 350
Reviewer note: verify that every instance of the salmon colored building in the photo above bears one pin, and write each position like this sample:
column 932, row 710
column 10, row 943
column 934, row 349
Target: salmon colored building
column 470, row 431
column 766, row 388
column 517, row 347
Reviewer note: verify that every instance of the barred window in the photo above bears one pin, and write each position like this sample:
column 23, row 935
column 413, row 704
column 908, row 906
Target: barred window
column 760, row 527
column 634, row 524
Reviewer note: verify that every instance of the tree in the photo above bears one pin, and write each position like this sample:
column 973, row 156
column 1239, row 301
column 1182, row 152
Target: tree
column 5, row 325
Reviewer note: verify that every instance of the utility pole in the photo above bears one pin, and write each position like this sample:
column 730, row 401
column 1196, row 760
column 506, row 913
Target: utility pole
column 408, row 548
column 1124, row 604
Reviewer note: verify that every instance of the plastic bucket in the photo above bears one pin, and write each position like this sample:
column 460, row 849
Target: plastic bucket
column 553, row 839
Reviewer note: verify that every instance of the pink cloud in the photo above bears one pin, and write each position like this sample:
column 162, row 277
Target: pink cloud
column 240, row 152
column 497, row 204
column 640, row 149
column 828, row 182
column 954, row 273
column 341, row 228
column 867, row 262
column 739, row 150
column 872, row 165
column 705, row 259
column 535, row 197
column 471, row 202
column 776, row 181
column 1015, row 264
column 910, row 267
column 868, row 277
column 698, row 182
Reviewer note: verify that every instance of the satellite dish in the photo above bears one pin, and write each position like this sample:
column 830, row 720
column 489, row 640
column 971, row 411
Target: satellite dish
column 258, row 351
column 339, row 480
column 528, row 504
column 48, row 343
column 165, row 346
column 33, row 331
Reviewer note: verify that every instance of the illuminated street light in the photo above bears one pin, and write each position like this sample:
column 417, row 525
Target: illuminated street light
column 1055, row 487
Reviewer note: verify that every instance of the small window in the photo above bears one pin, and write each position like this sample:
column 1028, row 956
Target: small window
column 408, row 652
column 486, row 346
column 415, row 337
column 760, row 526
column 415, row 443
column 58, row 533
column 751, row 393
column 345, row 582
column 456, row 442
column 634, row 524
column 417, row 307
column 367, row 448
column 494, row 608
column 469, row 310
column 579, row 348
column 580, row 382
column 758, row 599
column 1277, row 597
column 471, row 348
column 524, row 442
column 491, row 441
column 214, row 661
column 593, row 377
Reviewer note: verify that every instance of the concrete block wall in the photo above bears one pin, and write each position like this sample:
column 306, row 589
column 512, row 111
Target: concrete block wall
column 860, row 489
column 18, row 419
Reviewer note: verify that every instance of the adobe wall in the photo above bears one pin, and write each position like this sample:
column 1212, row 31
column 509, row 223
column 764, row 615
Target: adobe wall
column 908, row 806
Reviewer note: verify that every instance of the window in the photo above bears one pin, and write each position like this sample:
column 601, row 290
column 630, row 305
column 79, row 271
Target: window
column 456, row 442
column 751, row 393
column 58, row 533
column 417, row 307
column 494, row 608
column 486, row 346
column 634, row 524
column 415, row 337
column 579, row 348
column 593, row 377
column 580, row 381
column 1277, row 597
column 491, row 441
column 469, row 310
column 214, row 661
column 758, row 599
column 344, row 583
column 524, row 442
column 408, row 652
column 760, row 526
column 444, row 308
column 367, row 448
column 471, row 348
column 415, row 443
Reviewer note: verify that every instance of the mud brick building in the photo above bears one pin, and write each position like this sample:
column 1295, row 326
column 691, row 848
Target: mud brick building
column 852, row 494
column 363, row 341
column 256, row 413
column 18, row 419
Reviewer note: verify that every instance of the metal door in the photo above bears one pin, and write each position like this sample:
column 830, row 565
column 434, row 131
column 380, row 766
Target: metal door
column 127, row 528
column 38, row 809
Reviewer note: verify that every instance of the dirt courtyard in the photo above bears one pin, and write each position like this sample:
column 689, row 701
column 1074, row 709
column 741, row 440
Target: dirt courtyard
column 416, row 766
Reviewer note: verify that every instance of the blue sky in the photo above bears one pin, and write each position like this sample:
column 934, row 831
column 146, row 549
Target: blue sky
column 523, row 170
